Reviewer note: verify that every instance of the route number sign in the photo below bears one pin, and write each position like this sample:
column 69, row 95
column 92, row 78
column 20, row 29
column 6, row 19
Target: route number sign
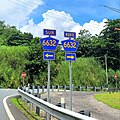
column 49, row 43
column 70, row 45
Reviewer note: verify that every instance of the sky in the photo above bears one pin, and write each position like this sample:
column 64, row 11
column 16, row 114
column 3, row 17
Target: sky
column 61, row 15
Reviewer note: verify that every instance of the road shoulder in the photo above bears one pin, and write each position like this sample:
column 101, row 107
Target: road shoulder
column 18, row 115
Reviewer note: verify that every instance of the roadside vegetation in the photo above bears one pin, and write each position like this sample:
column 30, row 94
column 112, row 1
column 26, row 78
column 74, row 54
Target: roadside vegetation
column 86, row 72
column 20, row 52
column 31, row 115
column 111, row 99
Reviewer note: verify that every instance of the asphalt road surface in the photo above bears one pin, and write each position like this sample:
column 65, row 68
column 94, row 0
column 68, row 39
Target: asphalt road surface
column 17, row 115
column 86, row 101
column 3, row 94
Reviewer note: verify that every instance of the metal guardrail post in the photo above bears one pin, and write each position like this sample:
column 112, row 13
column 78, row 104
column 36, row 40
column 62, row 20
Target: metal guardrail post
column 65, row 88
column 52, row 88
column 33, row 87
column 38, row 95
column 63, row 103
column 28, row 88
column 80, row 89
column 95, row 88
column 43, row 88
column 31, row 104
column 87, row 88
column 58, row 88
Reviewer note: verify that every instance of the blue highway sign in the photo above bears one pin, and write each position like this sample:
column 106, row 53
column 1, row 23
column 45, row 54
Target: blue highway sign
column 48, row 55
column 49, row 32
column 70, row 34
column 49, row 43
column 70, row 45
column 70, row 56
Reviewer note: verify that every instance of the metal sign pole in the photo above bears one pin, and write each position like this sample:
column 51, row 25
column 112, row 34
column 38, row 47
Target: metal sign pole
column 106, row 71
column 48, row 88
column 70, row 67
column 23, row 82
column 48, row 85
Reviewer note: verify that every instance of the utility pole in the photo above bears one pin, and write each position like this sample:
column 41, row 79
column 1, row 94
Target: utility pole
column 106, row 71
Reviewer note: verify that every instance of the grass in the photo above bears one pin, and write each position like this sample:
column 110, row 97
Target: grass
column 111, row 99
column 31, row 115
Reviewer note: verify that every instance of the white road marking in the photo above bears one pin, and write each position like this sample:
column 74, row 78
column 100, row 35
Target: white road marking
column 7, row 108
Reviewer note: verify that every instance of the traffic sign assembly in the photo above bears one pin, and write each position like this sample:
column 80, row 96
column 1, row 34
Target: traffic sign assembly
column 70, row 56
column 48, row 55
column 50, row 44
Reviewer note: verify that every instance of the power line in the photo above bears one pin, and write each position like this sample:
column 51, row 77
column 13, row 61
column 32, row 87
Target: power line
column 27, row 3
column 114, row 9
column 20, row 4
column 35, row 3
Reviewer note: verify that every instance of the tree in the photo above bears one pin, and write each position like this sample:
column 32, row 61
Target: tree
column 18, row 38
column 107, row 43
column 111, row 37
column 36, row 66
column 84, row 39
column 12, row 64
column 9, row 35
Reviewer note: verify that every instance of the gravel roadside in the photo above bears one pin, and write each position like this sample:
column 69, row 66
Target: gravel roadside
column 85, row 101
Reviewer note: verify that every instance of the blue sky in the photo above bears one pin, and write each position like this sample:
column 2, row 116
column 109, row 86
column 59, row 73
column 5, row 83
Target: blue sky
column 82, row 11
column 63, row 15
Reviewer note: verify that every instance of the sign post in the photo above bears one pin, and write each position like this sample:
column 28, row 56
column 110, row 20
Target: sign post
column 115, row 77
column 48, row 85
column 70, row 46
column 23, row 76
column 71, row 89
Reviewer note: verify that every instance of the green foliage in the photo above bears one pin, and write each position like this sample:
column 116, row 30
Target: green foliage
column 36, row 66
column 111, row 37
column 18, row 38
column 107, row 43
column 112, row 80
column 86, row 72
column 13, row 60
column 9, row 35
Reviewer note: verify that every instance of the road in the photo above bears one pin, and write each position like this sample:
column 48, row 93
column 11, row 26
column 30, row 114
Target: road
column 86, row 101
column 14, row 113
column 3, row 94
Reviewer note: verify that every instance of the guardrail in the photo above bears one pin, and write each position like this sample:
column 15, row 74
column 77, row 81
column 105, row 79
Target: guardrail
column 60, row 113
column 75, row 88
column 35, row 89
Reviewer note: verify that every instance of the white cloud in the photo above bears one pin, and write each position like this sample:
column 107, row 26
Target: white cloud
column 94, row 27
column 61, row 21
column 14, row 11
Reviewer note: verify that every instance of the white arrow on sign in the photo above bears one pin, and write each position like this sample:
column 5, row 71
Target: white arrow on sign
column 47, row 55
